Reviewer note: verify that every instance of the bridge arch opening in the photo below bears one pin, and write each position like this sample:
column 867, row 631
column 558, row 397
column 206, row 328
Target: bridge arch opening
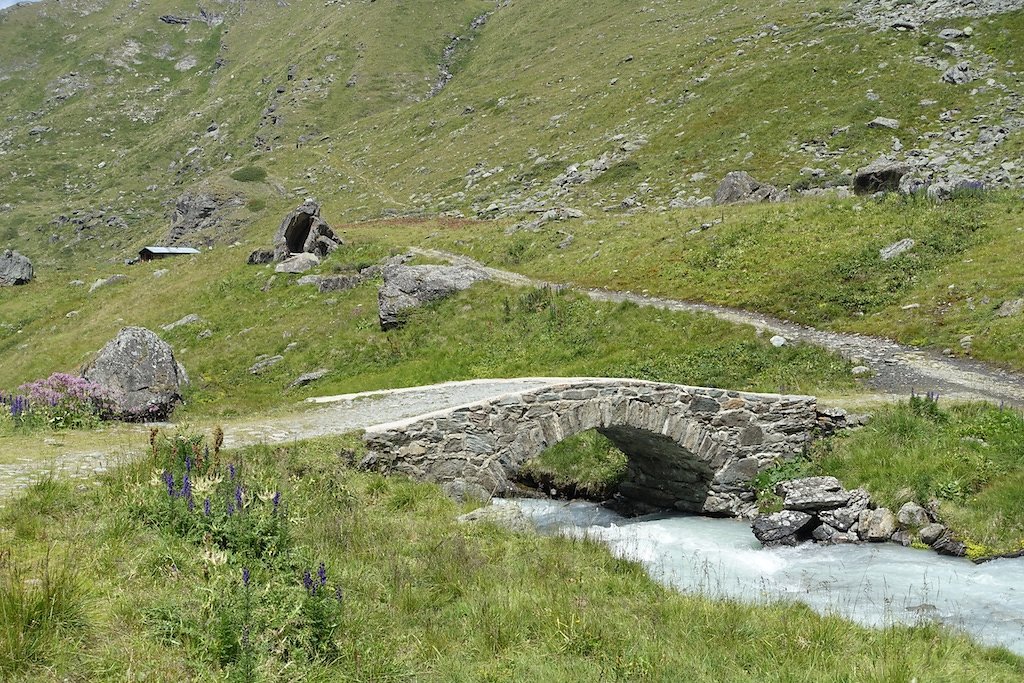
column 623, row 454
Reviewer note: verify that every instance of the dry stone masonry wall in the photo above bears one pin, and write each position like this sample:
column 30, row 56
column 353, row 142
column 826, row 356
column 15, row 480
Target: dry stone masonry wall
column 689, row 448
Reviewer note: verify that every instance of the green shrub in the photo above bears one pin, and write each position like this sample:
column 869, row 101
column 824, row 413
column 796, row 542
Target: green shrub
column 250, row 174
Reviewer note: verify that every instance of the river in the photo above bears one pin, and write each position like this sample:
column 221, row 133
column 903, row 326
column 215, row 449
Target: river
column 875, row 584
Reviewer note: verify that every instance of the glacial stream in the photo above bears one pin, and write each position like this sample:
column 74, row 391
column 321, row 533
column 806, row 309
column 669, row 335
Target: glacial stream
column 873, row 584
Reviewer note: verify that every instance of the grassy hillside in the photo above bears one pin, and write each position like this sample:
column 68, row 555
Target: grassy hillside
column 815, row 262
column 488, row 331
column 332, row 100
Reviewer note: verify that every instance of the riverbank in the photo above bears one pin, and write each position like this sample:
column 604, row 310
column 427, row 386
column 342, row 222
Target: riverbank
column 421, row 596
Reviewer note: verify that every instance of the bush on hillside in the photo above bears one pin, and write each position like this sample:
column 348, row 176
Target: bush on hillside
column 250, row 174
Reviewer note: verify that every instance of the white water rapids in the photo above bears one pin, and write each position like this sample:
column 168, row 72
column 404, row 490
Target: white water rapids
column 875, row 584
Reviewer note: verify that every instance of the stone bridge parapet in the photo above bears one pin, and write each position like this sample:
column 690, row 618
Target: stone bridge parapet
column 689, row 448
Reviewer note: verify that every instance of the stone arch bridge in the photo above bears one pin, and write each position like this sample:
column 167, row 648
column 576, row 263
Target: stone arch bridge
column 689, row 448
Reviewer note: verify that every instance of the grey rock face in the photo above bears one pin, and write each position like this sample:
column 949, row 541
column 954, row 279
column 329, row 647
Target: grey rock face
column 788, row 527
column 264, row 364
column 140, row 374
column 883, row 122
column 895, row 249
column 740, row 186
column 106, row 282
column 461, row 490
column 931, row 533
column 260, row 257
column 299, row 263
column 913, row 515
column 190, row 319
column 308, row 378
column 1011, row 308
column 959, row 74
column 880, row 176
column 339, row 283
column 876, row 525
column 813, row 493
column 845, row 518
column 15, row 269
column 304, row 231
column 947, row 544
column 199, row 217
column 407, row 287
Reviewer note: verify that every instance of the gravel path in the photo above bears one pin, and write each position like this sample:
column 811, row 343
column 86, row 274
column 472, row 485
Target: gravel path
column 338, row 414
column 897, row 368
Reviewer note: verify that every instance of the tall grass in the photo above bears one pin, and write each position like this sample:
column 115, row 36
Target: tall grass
column 41, row 604
column 415, row 595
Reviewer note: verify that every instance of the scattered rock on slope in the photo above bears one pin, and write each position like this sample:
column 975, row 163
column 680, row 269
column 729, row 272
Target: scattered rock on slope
column 15, row 269
column 740, row 186
column 140, row 374
column 407, row 287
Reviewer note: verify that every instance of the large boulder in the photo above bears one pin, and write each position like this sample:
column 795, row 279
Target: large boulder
column 880, row 176
column 407, row 287
column 298, row 263
column 740, row 186
column 140, row 375
column 876, row 525
column 15, row 269
column 788, row 527
column 304, row 231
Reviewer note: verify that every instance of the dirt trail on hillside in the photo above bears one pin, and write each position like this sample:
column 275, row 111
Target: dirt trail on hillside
column 897, row 369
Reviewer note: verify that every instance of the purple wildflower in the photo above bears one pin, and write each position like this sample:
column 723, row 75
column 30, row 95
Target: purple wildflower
column 277, row 500
column 188, row 464
column 231, row 471
column 245, row 576
column 169, row 481
column 339, row 595
column 186, row 487
column 231, row 508
column 206, row 506
column 307, row 582
column 321, row 574
column 239, row 498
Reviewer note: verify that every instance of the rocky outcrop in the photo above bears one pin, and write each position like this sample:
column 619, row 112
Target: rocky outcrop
column 741, row 187
column 408, row 287
column 139, row 374
column 819, row 509
column 304, row 231
column 15, row 269
column 200, row 217
column 880, row 176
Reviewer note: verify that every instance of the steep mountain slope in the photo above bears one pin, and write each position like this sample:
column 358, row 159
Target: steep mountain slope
column 110, row 110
